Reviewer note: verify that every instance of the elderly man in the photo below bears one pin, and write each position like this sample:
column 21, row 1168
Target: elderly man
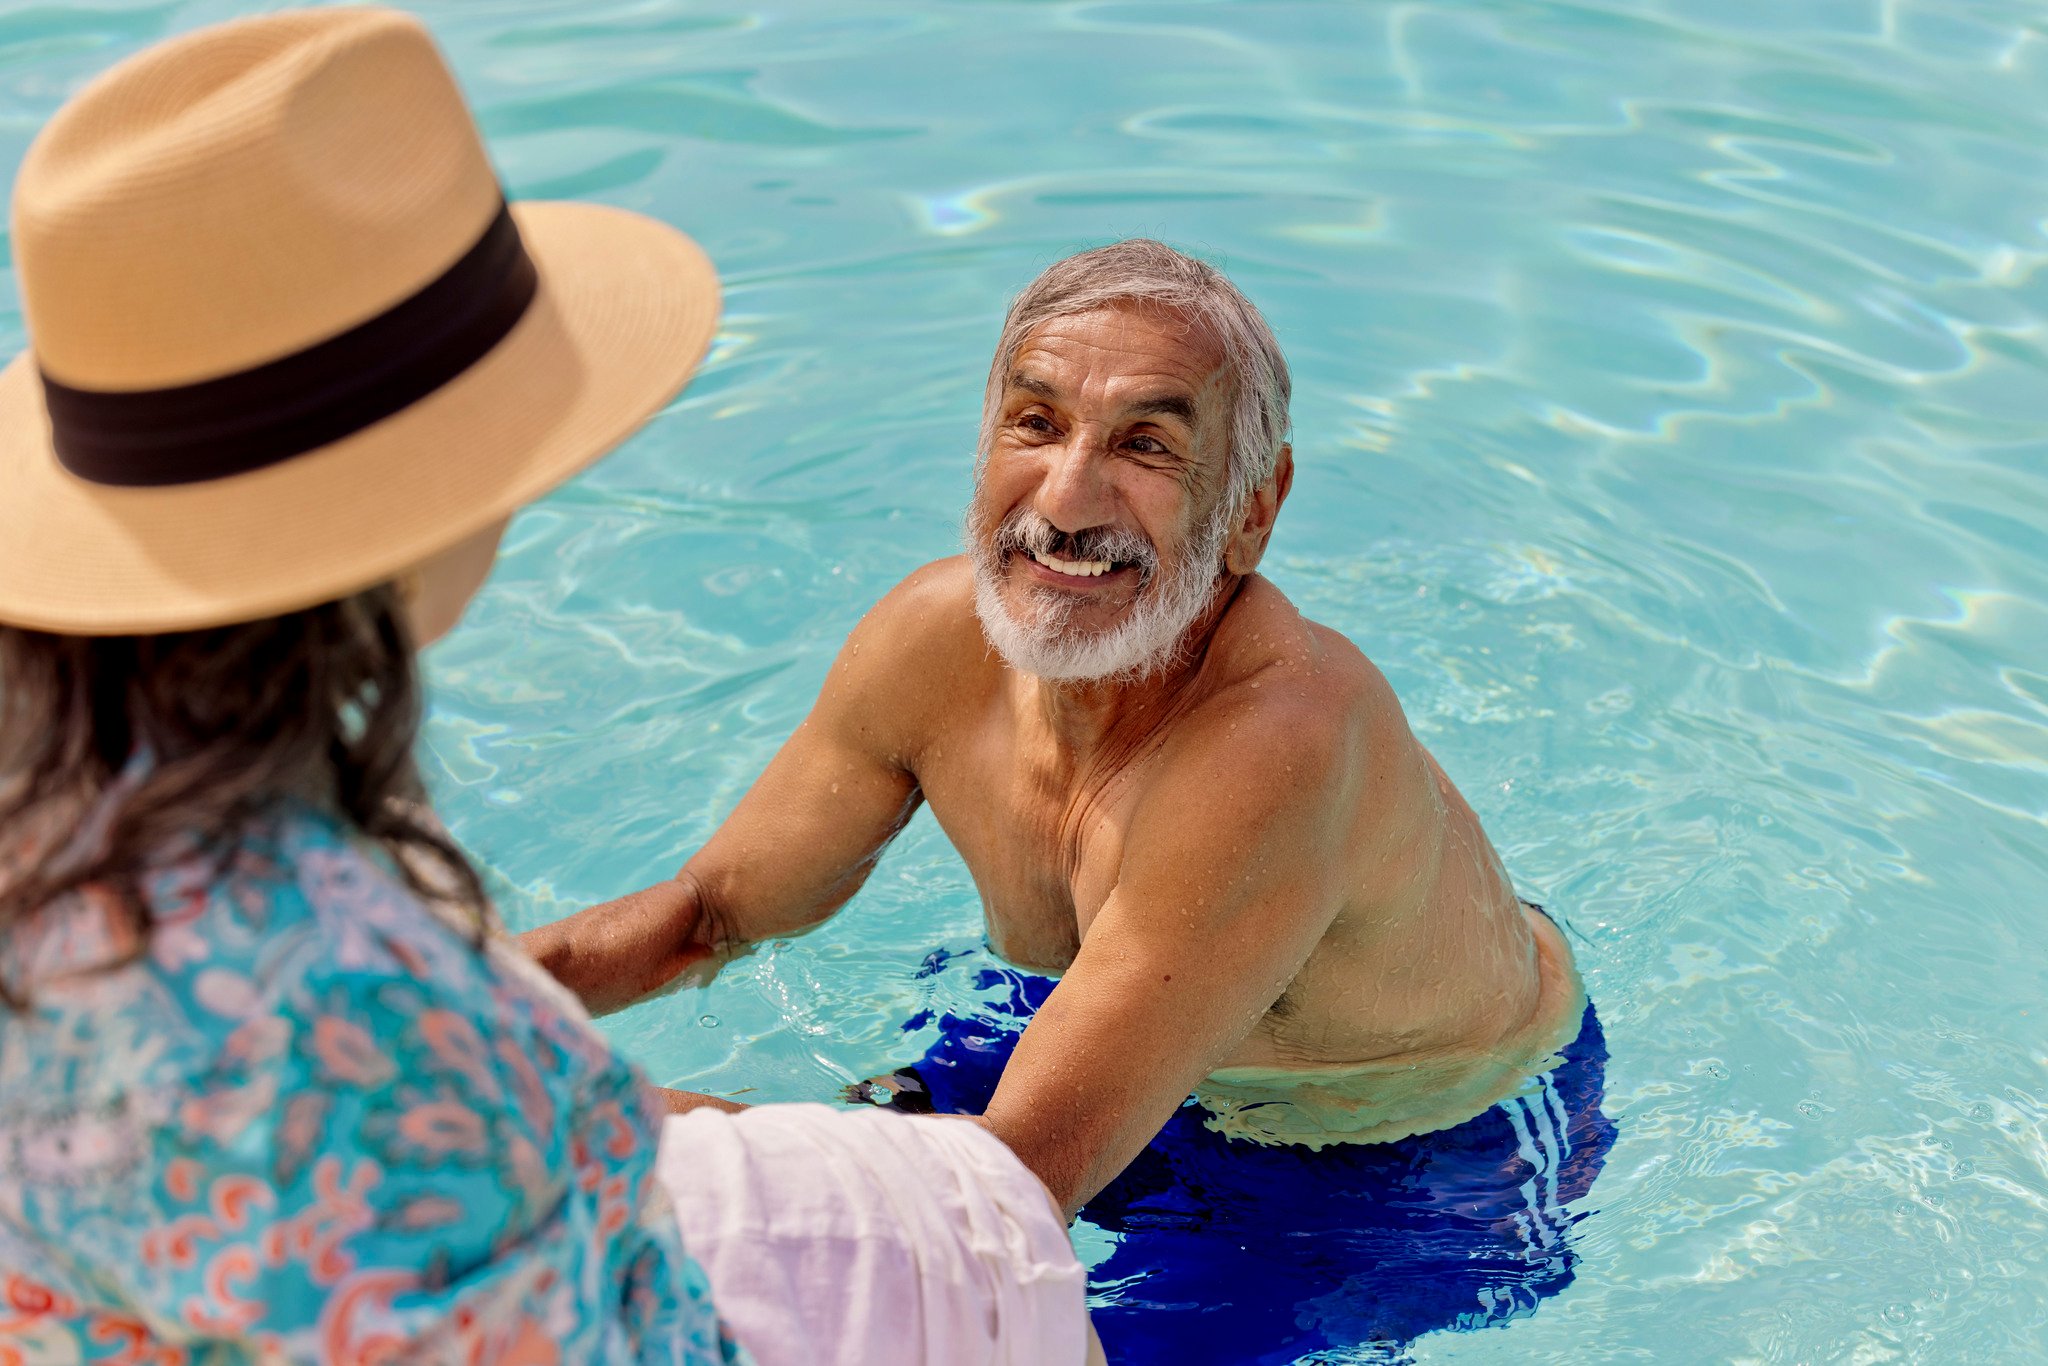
column 1205, row 812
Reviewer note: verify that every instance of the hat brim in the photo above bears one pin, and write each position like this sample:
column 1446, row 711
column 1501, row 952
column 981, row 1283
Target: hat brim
column 626, row 309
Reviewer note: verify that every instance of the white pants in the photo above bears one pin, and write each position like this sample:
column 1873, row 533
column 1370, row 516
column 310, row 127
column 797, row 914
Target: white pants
column 853, row 1236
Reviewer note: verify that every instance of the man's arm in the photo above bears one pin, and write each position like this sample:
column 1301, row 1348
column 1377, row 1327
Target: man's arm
column 1231, row 873
column 799, row 844
column 626, row 950
column 675, row 1102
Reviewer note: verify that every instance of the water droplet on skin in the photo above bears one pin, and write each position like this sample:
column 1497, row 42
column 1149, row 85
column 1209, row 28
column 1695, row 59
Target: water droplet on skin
column 708, row 1021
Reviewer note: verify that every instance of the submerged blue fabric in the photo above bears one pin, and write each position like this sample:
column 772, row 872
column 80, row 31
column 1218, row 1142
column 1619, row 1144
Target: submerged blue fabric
column 1233, row 1252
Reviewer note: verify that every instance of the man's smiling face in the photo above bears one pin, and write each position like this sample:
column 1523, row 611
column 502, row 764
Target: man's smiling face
column 1095, row 526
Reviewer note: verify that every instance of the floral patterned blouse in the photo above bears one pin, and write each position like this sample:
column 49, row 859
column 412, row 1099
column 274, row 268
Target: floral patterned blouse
column 314, row 1123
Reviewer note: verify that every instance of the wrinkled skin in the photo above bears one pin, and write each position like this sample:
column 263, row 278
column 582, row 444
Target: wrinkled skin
column 1246, row 869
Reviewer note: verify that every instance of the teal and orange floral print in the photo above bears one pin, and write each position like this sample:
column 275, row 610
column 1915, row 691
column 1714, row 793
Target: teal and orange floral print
column 312, row 1122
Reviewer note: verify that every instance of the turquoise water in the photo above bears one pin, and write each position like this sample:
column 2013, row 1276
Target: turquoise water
column 1670, row 380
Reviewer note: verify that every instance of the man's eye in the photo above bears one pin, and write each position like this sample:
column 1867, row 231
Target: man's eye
column 1146, row 445
column 1035, row 422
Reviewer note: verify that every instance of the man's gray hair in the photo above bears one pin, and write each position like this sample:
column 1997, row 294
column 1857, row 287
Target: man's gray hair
column 1141, row 269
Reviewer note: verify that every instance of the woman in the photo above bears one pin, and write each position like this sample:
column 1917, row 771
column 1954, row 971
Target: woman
column 271, row 1086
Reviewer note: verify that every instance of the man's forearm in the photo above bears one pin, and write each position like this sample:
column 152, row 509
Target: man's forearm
column 626, row 950
column 682, row 1102
column 1062, row 1172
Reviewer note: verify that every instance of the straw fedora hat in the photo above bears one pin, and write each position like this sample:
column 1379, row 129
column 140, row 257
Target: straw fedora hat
column 287, row 339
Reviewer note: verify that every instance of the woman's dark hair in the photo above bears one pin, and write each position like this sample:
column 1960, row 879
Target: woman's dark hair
column 226, row 722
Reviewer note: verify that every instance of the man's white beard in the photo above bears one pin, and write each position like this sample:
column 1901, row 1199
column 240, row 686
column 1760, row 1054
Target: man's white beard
column 1048, row 644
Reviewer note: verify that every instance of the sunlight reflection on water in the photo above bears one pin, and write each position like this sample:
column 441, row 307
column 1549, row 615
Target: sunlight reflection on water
column 1669, row 379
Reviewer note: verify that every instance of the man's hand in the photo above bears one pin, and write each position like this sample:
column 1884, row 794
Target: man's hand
column 903, row 1091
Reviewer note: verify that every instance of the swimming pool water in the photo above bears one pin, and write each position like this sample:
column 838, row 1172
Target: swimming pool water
column 1670, row 380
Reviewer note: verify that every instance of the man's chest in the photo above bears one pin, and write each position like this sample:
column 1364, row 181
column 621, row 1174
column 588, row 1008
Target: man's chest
column 1042, row 844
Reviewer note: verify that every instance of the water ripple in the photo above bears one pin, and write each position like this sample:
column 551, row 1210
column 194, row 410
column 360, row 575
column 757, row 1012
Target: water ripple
column 1668, row 389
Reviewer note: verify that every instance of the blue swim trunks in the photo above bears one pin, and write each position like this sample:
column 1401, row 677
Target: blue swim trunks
column 1236, row 1252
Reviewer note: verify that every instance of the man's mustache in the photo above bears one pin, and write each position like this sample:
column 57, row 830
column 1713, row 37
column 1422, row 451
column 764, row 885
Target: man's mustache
column 1025, row 530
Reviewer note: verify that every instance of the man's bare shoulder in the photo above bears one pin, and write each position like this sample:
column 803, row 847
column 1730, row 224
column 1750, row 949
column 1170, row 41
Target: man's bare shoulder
column 914, row 650
column 1267, row 765
column 903, row 668
column 1297, row 741
column 927, row 618
column 1286, row 673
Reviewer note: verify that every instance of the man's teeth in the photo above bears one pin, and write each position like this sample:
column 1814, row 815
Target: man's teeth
column 1086, row 569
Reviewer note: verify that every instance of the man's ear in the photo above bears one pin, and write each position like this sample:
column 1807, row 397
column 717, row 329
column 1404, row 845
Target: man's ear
column 1247, row 543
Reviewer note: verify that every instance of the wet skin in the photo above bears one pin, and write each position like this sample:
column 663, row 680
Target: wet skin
column 1246, row 869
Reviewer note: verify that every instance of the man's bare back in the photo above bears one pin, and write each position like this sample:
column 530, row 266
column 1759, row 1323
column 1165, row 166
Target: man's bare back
column 1204, row 811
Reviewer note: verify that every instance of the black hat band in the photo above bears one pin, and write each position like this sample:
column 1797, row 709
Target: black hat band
column 297, row 403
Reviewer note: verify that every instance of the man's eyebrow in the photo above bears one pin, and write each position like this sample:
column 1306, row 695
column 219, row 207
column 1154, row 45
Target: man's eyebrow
column 1166, row 405
column 1152, row 405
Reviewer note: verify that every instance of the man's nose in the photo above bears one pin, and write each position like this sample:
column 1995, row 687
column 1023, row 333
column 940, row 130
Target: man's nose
column 1075, row 493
